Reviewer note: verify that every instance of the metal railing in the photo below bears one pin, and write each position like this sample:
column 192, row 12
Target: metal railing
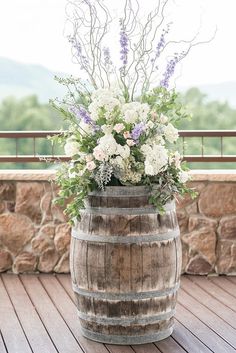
column 185, row 136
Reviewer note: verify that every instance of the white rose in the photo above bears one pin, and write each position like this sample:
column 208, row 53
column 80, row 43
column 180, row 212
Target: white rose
column 119, row 127
column 71, row 147
column 91, row 165
column 184, row 177
column 171, row 133
column 99, row 154
column 130, row 142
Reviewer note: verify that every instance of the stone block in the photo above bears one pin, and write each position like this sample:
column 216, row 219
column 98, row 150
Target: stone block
column 15, row 231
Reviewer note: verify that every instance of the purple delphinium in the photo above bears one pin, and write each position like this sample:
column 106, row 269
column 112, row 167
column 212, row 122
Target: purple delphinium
column 124, row 41
column 78, row 52
column 137, row 131
column 81, row 114
column 170, row 69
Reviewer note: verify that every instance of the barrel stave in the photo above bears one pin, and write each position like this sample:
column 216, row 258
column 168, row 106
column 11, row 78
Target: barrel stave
column 125, row 267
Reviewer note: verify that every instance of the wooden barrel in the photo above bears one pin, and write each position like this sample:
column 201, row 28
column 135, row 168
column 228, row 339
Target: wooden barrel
column 125, row 267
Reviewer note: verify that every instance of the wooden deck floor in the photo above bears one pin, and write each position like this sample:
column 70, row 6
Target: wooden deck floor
column 38, row 314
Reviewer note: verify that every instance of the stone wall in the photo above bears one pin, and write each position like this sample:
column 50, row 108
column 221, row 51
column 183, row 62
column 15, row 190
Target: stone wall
column 34, row 235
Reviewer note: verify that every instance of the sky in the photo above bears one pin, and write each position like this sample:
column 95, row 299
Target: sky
column 33, row 31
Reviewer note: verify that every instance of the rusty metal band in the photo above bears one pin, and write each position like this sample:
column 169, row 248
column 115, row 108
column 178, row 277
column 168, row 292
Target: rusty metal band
column 125, row 296
column 128, row 320
column 118, row 239
column 126, row 211
column 127, row 340
column 120, row 191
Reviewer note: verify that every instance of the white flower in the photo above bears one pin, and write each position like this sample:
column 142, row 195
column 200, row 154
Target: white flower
column 149, row 170
column 177, row 159
column 150, row 125
column 89, row 158
column 108, row 144
column 184, row 176
column 126, row 134
column 98, row 153
column 131, row 116
column 91, row 165
column 171, row 133
column 130, row 142
column 163, row 119
column 107, row 129
column 118, row 162
column 156, row 158
column 119, row 127
column 71, row 147
column 123, row 151
column 143, row 111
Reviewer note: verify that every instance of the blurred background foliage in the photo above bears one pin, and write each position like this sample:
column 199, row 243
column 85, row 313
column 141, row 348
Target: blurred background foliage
column 28, row 114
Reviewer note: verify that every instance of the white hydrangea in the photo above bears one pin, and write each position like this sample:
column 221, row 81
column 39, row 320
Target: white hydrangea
column 107, row 129
column 135, row 111
column 171, row 133
column 123, row 151
column 143, row 111
column 156, row 158
column 131, row 116
column 71, row 147
column 103, row 98
column 108, row 144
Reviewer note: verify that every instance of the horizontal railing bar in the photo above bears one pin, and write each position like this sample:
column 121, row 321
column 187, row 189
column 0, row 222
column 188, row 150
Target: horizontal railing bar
column 27, row 134
column 217, row 158
column 25, row 159
column 182, row 133
column 207, row 133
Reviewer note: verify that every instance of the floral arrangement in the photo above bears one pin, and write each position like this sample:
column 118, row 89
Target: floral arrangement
column 121, row 122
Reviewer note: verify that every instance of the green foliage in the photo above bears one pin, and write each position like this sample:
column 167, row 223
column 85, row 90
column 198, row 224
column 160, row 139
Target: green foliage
column 208, row 115
column 26, row 114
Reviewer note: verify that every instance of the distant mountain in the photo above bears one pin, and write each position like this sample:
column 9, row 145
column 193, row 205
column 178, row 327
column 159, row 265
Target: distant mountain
column 17, row 79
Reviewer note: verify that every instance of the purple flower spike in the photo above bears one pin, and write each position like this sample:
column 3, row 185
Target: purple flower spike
column 137, row 131
column 81, row 114
column 170, row 69
column 124, row 40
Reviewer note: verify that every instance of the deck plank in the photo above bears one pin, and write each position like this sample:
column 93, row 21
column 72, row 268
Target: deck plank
column 209, row 318
column 2, row 345
column 54, row 323
column 169, row 345
column 187, row 340
column 27, row 315
column 227, row 314
column 10, row 327
column 224, row 283
column 210, row 287
column 201, row 331
column 67, row 309
column 38, row 315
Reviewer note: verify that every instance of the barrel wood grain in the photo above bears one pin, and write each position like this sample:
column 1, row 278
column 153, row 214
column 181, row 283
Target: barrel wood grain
column 125, row 267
